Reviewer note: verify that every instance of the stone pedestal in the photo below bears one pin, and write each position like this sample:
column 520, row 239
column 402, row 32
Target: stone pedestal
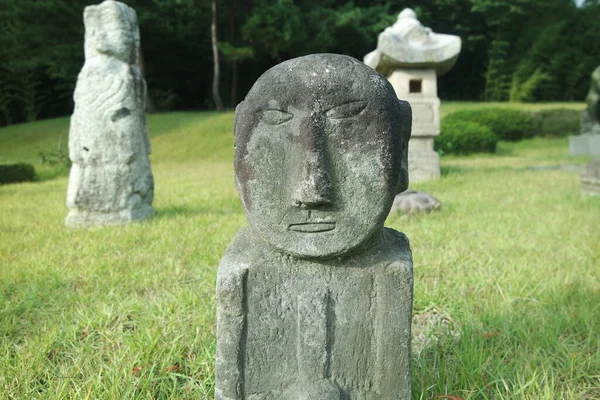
column 419, row 88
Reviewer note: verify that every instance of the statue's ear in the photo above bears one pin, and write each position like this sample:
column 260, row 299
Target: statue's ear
column 238, row 110
column 405, row 132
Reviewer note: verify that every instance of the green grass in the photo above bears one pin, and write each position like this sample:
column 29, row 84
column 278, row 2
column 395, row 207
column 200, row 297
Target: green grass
column 129, row 312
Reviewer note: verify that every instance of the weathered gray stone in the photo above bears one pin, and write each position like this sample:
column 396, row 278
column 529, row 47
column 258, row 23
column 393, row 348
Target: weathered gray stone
column 411, row 201
column 588, row 142
column 314, row 297
column 412, row 56
column 590, row 179
column 407, row 44
column 111, row 180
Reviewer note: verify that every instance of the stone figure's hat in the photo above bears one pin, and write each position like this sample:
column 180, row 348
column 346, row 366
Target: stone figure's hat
column 111, row 28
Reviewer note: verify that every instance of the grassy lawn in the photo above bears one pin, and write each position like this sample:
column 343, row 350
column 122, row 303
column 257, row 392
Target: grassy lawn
column 128, row 312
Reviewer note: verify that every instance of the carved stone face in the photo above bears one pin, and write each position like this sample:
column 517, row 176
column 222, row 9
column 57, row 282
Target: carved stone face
column 320, row 153
column 109, row 30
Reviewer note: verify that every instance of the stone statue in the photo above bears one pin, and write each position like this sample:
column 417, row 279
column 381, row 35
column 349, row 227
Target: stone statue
column 111, row 180
column 587, row 143
column 591, row 116
column 314, row 297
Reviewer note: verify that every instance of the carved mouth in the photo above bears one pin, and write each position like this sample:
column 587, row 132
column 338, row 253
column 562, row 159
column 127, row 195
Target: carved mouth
column 312, row 227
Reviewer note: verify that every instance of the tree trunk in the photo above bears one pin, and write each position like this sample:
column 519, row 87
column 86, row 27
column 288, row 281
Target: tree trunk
column 7, row 116
column 234, row 64
column 213, row 35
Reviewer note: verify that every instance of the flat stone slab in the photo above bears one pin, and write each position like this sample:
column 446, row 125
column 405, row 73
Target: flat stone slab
column 411, row 202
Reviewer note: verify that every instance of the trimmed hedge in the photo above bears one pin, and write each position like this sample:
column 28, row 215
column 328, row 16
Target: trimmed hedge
column 464, row 137
column 11, row 173
column 557, row 122
column 506, row 123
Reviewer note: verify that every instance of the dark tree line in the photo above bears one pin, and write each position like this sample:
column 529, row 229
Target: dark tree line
column 519, row 50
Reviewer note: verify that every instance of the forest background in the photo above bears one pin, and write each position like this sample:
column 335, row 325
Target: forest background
column 517, row 50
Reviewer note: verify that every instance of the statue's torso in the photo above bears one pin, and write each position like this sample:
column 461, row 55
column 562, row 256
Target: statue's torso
column 347, row 322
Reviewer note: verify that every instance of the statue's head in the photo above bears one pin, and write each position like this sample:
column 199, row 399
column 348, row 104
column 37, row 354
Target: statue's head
column 321, row 147
column 111, row 29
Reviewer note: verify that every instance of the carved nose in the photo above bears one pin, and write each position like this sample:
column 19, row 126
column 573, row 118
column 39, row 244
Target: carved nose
column 314, row 183
column 314, row 189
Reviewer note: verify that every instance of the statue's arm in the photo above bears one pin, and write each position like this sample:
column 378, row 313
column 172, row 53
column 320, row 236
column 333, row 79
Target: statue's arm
column 231, row 325
column 394, row 294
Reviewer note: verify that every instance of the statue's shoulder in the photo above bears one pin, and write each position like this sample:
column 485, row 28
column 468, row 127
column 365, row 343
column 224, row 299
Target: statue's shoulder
column 397, row 250
column 239, row 254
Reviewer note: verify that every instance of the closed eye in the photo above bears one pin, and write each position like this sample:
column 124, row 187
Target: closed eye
column 276, row 117
column 346, row 110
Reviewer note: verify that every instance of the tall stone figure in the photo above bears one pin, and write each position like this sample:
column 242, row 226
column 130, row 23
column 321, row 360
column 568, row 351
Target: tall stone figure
column 111, row 180
column 314, row 297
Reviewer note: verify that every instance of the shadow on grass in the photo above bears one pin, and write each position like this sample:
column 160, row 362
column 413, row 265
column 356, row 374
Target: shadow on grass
column 537, row 347
column 45, row 173
column 178, row 211
column 192, row 211
column 447, row 170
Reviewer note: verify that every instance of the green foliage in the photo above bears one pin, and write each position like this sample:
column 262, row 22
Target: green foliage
column 12, row 173
column 41, row 52
column 514, row 30
column 464, row 137
column 275, row 27
column 164, row 100
column 507, row 124
column 524, row 90
column 556, row 122
column 55, row 157
column 235, row 54
column 522, row 50
column 497, row 75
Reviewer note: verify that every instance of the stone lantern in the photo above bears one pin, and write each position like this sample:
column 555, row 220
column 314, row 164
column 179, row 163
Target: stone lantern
column 411, row 56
